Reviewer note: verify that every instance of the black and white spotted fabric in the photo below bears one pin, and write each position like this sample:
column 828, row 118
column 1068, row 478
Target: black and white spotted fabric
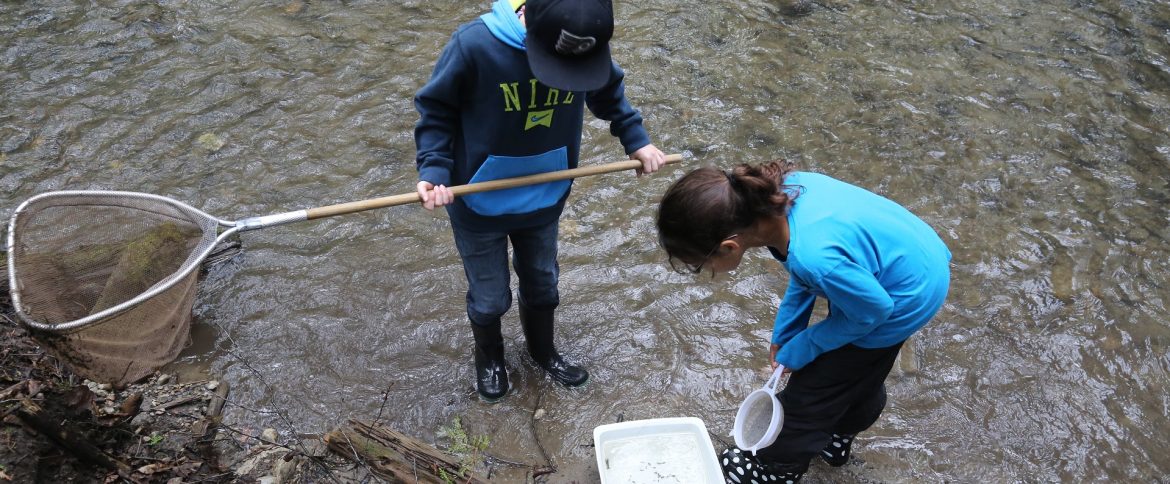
column 836, row 453
column 742, row 468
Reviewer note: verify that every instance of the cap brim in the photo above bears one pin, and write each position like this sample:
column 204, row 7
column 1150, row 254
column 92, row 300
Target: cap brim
column 586, row 73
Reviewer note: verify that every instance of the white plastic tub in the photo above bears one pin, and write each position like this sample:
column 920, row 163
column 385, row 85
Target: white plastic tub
column 658, row 451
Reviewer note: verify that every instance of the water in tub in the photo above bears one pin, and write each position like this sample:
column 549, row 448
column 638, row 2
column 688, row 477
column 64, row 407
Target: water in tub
column 662, row 458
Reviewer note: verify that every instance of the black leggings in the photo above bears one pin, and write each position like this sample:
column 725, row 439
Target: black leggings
column 841, row 392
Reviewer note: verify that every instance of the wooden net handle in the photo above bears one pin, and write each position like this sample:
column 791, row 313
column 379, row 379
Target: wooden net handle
column 405, row 198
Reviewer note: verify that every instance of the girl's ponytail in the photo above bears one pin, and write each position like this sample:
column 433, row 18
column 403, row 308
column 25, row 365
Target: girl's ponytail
column 708, row 205
column 760, row 188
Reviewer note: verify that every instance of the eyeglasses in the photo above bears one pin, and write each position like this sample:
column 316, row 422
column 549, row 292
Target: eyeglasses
column 697, row 268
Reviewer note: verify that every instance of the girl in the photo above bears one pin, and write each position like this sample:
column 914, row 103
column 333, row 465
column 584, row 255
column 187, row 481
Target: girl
column 883, row 271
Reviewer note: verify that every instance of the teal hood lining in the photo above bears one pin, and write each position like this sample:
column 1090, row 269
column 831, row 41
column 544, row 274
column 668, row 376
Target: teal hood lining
column 504, row 25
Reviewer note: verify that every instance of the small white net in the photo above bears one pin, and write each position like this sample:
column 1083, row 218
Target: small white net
column 77, row 254
column 757, row 419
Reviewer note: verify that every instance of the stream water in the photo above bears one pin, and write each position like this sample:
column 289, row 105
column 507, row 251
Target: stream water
column 1030, row 134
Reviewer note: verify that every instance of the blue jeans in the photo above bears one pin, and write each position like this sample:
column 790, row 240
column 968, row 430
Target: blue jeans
column 485, row 262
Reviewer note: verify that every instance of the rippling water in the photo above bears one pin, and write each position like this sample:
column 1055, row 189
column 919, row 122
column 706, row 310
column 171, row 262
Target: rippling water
column 1031, row 134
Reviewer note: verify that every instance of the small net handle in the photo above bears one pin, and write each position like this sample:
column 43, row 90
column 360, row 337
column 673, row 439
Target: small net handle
column 405, row 198
column 774, row 380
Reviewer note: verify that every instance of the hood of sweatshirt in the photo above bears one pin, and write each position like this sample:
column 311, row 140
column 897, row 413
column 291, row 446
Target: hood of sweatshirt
column 504, row 24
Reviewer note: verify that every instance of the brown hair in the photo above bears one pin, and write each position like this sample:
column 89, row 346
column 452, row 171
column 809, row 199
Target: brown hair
column 707, row 205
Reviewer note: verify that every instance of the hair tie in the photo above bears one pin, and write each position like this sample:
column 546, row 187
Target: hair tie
column 731, row 180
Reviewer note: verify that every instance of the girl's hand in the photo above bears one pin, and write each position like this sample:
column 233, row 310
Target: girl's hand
column 432, row 196
column 772, row 357
column 652, row 159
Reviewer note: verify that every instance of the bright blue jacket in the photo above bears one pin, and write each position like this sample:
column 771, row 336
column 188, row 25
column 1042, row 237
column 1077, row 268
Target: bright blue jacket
column 484, row 116
column 884, row 271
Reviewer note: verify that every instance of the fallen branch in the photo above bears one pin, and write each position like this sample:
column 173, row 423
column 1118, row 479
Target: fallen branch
column 395, row 456
column 204, row 429
column 178, row 402
column 540, row 471
column 13, row 390
column 67, row 440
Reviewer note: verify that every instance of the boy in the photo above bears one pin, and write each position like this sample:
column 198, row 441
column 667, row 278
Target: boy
column 507, row 98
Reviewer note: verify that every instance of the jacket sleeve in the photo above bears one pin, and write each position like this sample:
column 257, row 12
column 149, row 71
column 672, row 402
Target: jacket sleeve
column 610, row 103
column 859, row 304
column 795, row 310
column 438, row 104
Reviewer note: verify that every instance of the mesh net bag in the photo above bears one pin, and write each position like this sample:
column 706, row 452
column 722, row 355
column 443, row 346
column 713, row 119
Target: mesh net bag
column 758, row 419
column 106, row 280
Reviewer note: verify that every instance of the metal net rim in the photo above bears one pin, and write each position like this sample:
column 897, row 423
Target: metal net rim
column 208, row 241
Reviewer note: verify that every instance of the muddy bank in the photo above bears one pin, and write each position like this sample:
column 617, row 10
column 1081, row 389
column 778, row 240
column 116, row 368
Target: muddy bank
column 60, row 428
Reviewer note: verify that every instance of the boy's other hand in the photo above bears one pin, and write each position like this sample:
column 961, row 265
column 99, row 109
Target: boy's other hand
column 652, row 159
column 432, row 196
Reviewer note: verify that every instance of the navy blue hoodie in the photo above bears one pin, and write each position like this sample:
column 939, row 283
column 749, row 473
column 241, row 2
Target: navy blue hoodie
column 484, row 116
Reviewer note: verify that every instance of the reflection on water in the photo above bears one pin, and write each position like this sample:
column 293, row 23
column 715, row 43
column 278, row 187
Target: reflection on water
column 1032, row 135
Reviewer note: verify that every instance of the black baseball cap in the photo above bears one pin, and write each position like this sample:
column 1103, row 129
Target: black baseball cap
column 568, row 42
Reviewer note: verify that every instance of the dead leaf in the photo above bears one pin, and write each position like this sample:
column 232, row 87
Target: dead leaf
column 188, row 468
column 151, row 468
column 130, row 405
column 80, row 399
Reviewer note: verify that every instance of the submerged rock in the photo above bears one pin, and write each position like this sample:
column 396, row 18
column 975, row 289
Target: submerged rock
column 211, row 142
column 795, row 8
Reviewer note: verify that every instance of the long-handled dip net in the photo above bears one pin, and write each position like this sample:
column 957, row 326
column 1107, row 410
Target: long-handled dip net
column 106, row 280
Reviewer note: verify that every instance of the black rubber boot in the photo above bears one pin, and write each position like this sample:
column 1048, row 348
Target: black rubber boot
column 740, row 467
column 836, row 453
column 491, row 377
column 538, row 331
